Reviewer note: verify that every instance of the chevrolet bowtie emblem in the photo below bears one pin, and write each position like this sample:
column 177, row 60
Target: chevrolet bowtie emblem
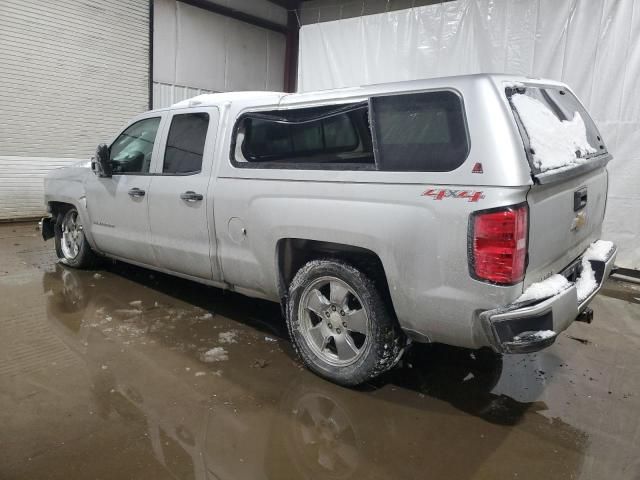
column 579, row 221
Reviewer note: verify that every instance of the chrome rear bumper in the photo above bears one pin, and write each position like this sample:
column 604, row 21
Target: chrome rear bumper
column 527, row 327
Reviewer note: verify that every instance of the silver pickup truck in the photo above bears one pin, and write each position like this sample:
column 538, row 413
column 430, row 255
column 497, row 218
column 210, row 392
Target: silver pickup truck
column 462, row 210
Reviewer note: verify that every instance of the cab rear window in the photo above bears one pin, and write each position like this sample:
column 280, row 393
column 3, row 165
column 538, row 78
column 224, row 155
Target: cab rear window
column 317, row 138
column 270, row 139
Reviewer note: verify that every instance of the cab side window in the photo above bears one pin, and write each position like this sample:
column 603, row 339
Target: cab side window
column 132, row 150
column 185, row 144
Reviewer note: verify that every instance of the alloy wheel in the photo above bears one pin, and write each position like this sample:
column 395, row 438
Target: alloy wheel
column 333, row 321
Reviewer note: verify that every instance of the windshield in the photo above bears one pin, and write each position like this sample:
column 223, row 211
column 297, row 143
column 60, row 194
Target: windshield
column 557, row 130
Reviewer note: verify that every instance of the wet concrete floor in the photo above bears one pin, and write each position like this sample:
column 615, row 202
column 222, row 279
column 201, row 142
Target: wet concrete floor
column 125, row 373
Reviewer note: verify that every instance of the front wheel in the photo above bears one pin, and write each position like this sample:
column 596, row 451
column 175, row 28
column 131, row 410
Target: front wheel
column 72, row 247
column 339, row 323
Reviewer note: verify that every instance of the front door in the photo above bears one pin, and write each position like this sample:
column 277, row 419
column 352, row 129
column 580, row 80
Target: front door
column 118, row 206
column 180, row 201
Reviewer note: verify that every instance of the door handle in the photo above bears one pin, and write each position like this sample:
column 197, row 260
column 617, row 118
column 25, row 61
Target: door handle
column 191, row 196
column 136, row 193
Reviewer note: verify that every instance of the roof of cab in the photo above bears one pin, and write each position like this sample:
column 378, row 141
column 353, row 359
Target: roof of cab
column 249, row 98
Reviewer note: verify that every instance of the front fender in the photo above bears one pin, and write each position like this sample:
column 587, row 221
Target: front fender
column 70, row 190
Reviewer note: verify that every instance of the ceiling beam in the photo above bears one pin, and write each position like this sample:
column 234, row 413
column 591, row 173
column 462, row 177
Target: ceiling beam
column 237, row 15
column 288, row 4
column 280, row 3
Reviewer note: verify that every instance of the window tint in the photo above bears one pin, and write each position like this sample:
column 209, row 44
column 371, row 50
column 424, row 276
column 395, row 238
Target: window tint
column 422, row 132
column 131, row 152
column 305, row 138
column 185, row 143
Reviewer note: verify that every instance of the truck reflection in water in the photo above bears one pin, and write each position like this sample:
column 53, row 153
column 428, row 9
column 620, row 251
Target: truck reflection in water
column 141, row 339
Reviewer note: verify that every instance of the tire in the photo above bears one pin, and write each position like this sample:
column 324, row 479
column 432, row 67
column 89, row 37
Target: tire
column 72, row 247
column 339, row 324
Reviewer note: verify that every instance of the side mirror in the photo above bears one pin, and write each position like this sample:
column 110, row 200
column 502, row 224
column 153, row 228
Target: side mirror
column 100, row 163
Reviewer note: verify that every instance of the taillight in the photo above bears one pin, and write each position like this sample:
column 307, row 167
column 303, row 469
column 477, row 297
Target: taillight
column 498, row 244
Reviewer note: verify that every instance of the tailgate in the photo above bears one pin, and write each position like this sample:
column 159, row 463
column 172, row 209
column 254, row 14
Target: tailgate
column 564, row 218
column 567, row 157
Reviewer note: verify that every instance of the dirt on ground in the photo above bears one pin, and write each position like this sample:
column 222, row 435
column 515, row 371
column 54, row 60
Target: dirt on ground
column 126, row 373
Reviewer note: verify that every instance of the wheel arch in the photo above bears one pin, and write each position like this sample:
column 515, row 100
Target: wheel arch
column 56, row 207
column 61, row 206
column 293, row 253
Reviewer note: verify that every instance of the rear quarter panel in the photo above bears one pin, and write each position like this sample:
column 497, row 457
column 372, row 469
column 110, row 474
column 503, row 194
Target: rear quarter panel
column 421, row 241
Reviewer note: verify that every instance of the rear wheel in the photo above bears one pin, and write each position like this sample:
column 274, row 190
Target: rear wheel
column 339, row 323
column 72, row 247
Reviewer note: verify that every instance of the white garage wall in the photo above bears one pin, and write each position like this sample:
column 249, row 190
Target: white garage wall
column 71, row 73
column 593, row 45
column 195, row 49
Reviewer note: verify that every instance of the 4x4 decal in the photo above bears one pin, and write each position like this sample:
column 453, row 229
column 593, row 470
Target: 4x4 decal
column 439, row 194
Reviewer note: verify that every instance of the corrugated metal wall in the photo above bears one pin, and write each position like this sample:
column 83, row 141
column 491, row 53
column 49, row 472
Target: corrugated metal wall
column 165, row 94
column 71, row 73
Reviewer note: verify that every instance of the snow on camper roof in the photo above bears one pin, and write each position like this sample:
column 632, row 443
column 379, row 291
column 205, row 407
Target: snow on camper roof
column 212, row 99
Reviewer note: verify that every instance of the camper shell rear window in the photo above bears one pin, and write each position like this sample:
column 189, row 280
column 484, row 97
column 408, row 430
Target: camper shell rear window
column 556, row 130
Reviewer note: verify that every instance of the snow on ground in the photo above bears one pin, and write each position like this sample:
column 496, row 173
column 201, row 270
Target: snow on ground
column 228, row 337
column 544, row 289
column 216, row 354
column 554, row 141
column 127, row 312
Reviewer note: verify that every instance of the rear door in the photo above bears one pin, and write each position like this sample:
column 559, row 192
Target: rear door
column 118, row 206
column 568, row 163
column 180, row 201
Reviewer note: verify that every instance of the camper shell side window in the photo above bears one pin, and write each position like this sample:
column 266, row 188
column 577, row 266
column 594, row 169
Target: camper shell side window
column 399, row 132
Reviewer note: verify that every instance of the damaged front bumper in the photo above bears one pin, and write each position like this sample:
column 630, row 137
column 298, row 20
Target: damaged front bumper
column 527, row 327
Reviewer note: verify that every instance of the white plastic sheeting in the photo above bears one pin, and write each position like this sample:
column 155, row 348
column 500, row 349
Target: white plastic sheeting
column 198, row 49
column 592, row 45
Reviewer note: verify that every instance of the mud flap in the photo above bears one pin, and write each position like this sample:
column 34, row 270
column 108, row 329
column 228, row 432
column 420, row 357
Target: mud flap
column 47, row 226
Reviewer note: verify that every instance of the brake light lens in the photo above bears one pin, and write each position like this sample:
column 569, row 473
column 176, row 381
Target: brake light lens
column 499, row 244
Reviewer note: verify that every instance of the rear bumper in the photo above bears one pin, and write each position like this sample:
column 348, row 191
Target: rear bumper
column 526, row 327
